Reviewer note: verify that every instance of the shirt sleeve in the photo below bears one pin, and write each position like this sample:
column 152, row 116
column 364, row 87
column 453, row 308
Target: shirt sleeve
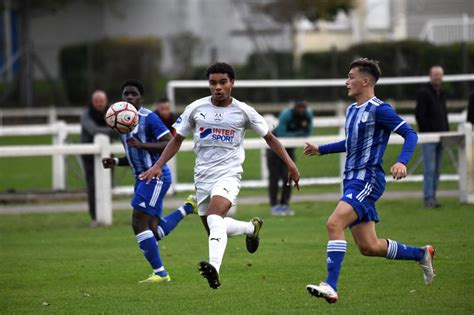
column 156, row 126
column 386, row 116
column 420, row 110
column 335, row 147
column 184, row 124
column 92, row 128
column 256, row 122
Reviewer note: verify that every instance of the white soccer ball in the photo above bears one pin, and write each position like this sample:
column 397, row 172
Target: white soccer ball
column 122, row 117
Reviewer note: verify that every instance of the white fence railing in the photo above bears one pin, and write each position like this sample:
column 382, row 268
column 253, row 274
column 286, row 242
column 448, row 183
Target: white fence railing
column 102, row 148
column 60, row 132
column 449, row 30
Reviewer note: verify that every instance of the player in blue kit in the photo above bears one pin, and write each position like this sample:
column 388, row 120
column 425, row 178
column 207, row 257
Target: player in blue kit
column 143, row 147
column 369, row 122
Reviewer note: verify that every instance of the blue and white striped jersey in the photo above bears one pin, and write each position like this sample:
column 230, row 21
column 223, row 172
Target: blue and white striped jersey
column 150, row 128
column 368, row 127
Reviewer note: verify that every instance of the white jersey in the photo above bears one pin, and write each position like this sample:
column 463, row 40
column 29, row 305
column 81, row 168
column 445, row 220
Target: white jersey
column 218, row 136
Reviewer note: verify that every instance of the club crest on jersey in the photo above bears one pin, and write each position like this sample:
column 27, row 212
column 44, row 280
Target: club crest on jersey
column 179, row 120
column 218, row 116
column 364, row 117
column 217, row 134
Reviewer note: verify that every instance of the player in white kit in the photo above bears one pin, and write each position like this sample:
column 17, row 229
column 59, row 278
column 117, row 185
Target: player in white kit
column 218, row 123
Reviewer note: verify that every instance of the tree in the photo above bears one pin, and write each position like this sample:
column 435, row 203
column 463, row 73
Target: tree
column 289, row 12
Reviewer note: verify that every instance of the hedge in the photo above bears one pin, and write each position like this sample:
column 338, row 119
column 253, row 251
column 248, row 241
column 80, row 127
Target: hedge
column 106, row 63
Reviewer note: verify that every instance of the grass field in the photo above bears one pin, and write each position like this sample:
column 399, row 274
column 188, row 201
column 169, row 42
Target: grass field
column 55, row 263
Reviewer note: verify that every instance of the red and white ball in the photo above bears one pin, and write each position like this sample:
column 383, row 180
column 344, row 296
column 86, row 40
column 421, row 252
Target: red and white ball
column 122, row 117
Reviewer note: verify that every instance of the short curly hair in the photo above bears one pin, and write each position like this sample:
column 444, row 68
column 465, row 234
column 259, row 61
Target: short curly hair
column 135, row 83
column 221, row 67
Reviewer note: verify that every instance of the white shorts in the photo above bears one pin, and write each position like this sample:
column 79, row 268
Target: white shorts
column 227, row 187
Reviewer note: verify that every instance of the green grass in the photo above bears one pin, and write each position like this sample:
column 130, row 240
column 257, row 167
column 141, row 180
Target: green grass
column 56, row 259
column 34, row 173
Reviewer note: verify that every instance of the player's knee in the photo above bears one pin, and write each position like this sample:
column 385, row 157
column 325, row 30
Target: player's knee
column 368, row 250
column 333, row 225
column 139, row 225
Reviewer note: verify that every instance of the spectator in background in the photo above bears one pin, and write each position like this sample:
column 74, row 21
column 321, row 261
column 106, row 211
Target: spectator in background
column 163, row 110
column 470, row 109
column 92, row 123
column 293, row 122
column 431, row 116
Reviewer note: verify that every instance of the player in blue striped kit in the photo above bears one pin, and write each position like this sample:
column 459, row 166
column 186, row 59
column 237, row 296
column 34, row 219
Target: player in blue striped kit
column 143, row 147
column 369, row 122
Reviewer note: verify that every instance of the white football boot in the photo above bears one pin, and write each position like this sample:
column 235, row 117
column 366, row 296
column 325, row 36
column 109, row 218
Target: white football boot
column 323, row 290
column 426, row 263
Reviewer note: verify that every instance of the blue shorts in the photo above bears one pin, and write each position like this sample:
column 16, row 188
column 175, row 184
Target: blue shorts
column 362, row 196
column 148, row 198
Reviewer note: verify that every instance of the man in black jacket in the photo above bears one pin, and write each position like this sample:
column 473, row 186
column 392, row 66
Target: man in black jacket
column 92, row 123
column 431, row 116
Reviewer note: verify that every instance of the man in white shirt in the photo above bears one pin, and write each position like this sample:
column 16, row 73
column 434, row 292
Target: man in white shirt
column 218, row 123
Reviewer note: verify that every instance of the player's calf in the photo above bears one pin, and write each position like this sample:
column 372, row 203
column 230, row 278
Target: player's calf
column 377, row 249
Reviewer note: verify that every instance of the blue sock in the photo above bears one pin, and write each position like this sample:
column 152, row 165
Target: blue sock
column 403, row 252
column 188, row 208
column 147, row 243
column 336, row 250
column 168, row 223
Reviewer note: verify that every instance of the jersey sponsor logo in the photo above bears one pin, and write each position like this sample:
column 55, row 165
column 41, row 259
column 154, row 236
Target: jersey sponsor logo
column 203, row 133
column 218, row 116
column 217, row 134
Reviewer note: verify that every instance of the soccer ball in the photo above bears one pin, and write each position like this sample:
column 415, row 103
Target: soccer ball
column 122, row 117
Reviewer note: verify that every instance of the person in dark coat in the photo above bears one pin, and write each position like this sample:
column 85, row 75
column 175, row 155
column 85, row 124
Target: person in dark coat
column 432, row 116
column 92, row 123
column 163, row 110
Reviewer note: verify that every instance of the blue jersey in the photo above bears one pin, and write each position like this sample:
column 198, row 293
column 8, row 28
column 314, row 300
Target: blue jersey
column 368, row 127
column 150, row 129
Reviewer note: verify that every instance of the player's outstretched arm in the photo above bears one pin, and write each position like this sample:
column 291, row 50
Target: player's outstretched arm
column 112, row 162
column 277, row 147
column 314, row 149
column 386, row 116
column 158, row 147
column 170, row 150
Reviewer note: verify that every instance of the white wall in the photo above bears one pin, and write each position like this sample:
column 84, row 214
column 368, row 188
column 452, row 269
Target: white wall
column 218, row 23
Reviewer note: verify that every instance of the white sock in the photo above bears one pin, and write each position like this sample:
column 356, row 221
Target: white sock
column 235, row 227
column 183, row 212
column 217, row 239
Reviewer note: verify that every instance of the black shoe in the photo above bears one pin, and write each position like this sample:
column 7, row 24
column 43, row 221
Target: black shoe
column 432, row 204
column 253, row 241
column 210, row 273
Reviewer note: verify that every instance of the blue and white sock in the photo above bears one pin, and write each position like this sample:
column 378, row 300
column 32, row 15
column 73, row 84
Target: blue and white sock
column 168, row 223
column 335, row 255
column 147, row 243
column 403, row 252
